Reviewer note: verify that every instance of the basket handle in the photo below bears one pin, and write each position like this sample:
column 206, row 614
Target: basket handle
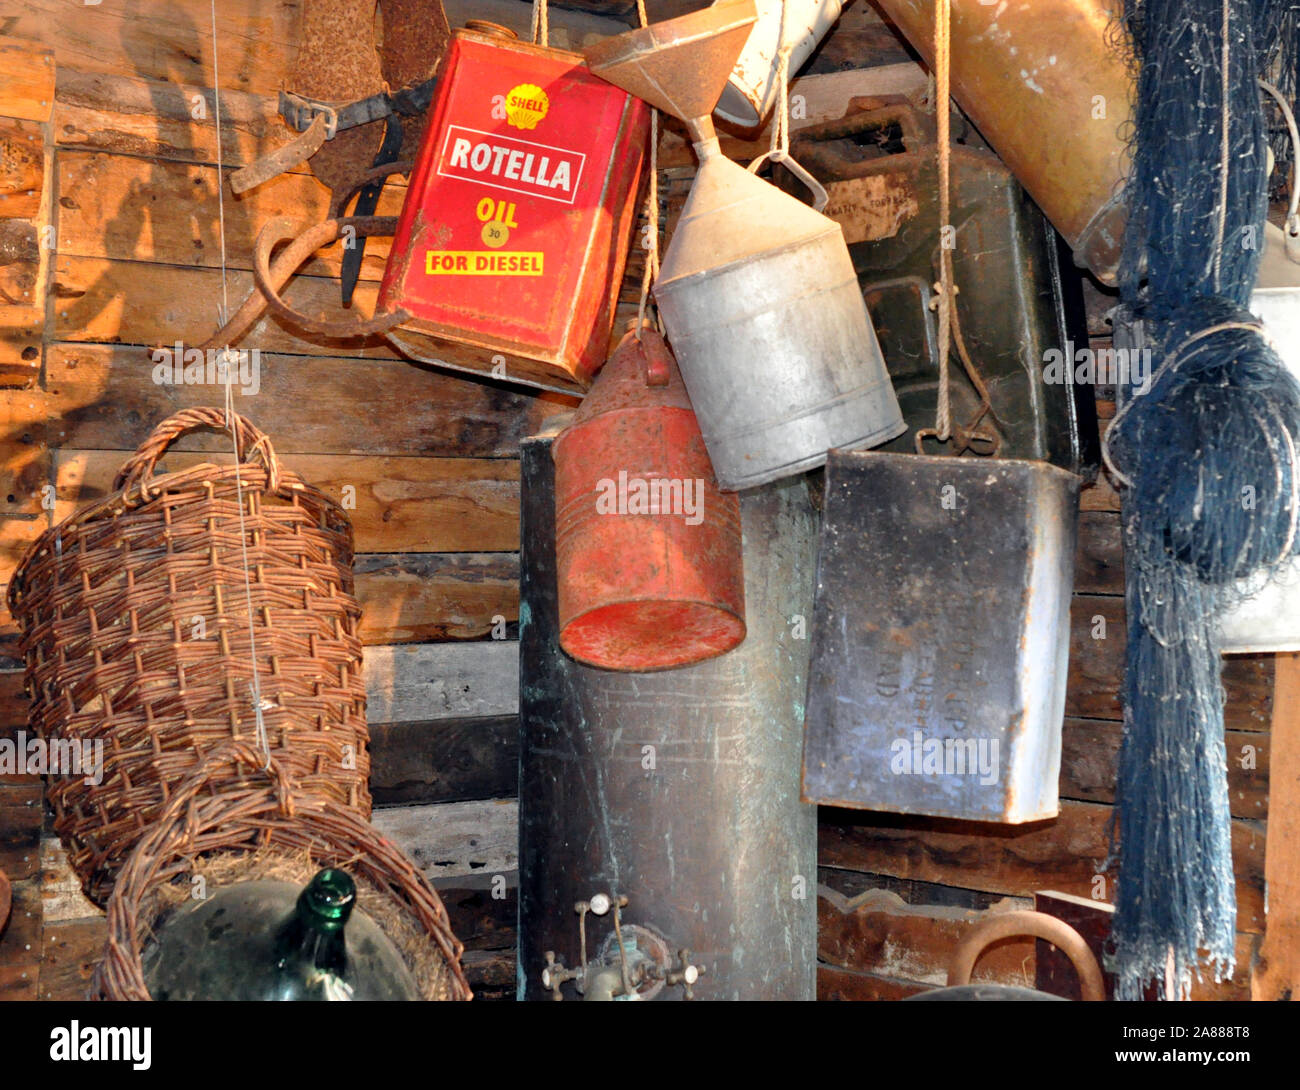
column 1005, row 925
column 251, row 445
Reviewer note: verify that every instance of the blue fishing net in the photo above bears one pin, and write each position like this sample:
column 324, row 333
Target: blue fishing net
column 1208, row 454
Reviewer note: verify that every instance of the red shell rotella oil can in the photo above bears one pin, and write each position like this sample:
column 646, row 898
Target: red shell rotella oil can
column 514, row 233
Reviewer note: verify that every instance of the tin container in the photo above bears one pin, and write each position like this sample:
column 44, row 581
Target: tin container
column 752, row 88
column 678, row 789
column 941, row 636
column 1020, row 304
column 1051, row 94
column 513, row 236
column 763, row 310
column 647, row 548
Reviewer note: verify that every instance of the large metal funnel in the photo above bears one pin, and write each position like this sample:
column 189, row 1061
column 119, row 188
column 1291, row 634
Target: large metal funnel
column 757, row 290
column 681, row 65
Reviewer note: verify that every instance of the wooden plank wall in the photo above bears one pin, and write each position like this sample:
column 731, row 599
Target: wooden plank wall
column 126, row 177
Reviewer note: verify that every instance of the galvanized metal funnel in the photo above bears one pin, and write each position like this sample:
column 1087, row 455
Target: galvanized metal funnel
column 757, row 290
column 681, row 65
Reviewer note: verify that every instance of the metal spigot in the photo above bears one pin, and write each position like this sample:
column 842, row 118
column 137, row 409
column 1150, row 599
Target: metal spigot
column 556, row 974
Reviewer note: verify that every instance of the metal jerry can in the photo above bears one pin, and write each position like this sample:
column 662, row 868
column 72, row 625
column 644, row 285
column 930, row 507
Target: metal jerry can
column 940, row 636
column 514, row 233
column 663, row 849
column 647, row 547
column 1020, row 310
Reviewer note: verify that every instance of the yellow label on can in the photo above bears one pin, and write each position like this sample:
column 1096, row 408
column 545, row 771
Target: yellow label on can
column 483, row 263
column 526, row 105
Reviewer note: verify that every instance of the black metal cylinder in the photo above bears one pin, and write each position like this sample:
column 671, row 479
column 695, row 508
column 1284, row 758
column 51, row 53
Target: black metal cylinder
column 679, row 789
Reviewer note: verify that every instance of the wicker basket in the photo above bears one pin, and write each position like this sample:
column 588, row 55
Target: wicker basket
column 270, row 821
column 137, row 634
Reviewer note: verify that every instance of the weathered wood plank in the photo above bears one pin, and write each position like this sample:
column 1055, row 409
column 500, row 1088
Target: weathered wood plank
column 16, row 534
column 21, row 815
column 419, row 598
column 1065, row 854
column 139, row 302
column 836, row 985
column 1097, row 642
column 121, row 207
column 13, row 700
column 24, row 456
column 446, row 760
column 100, row 111
column 876, row 932
column 61, row 896
column 1277, row 974
column 1090, row 750
column 26, row 75
column 21, row 330
column 20, row 945
column 400, row 504
column 71, row 952
column 419, row 682
column 171, row 42
column 456, row 838
column 1099, row 558
column 104, row 398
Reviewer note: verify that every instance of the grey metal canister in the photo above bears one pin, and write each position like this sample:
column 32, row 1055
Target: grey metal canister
column 764, row 312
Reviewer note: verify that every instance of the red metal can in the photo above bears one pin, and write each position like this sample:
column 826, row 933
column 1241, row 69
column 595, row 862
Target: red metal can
column 649, row 565
column 514, row 233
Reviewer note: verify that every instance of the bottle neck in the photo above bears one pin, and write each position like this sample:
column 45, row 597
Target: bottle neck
column 315, row 930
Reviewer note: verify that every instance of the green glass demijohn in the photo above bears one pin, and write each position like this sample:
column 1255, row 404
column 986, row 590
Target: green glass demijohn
column 268, row 940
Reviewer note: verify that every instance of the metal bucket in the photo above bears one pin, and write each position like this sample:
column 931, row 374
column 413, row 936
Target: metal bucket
column 647, row 549
column 941, row 636
column 1269, row 620
column 764, row 312
column 1050, row 94
column 1022, row 312
column 677, row 790
column 752, row 88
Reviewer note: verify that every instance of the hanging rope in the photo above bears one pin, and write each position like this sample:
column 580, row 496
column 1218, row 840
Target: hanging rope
column 971, row 436
column 651, row 273
column 541, row 27
column 228, row 357
column 1206, row 453
column 779, row 148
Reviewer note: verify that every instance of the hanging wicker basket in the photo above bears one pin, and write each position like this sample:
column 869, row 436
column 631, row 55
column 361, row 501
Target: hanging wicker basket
column 251, row 834
column 142, row 616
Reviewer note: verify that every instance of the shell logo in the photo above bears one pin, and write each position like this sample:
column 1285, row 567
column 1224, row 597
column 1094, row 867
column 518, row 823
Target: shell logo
column 526, row 105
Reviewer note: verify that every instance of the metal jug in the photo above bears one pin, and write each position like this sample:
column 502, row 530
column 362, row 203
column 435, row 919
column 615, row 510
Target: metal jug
column 1022, row 312
column 757, row 291
column 941, row 635
column 1050, row 94
column 676, row 790
column 647, row 549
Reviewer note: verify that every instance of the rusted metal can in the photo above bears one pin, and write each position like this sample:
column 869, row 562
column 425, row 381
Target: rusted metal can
column 678, row 789
column 1051, row 95
column 941, row 636
column 514, row 233
column 647, row 547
